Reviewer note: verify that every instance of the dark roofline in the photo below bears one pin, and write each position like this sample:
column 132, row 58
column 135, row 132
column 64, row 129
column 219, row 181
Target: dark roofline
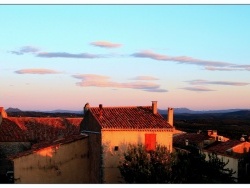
column 43, row 145
column 170, row 129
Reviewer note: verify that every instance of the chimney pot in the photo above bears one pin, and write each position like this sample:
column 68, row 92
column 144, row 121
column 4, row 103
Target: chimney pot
column 100, row 106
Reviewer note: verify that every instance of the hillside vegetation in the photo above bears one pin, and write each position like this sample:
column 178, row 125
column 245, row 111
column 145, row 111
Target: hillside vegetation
column 232, row 125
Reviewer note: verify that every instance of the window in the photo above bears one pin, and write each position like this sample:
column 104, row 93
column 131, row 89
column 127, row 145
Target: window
column 150, row 142
column 116, row 148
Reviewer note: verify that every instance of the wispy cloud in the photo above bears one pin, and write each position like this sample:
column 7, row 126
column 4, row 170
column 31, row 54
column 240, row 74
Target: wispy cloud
column 229, row 68
column 156, row 90
column 198, row 89
column 106, row 44
column 222, row 69
column 93, row 80
column 25, row 49
column 144, row 78
column 179, row 59
column 91, row 77
column 38, row 53
column 37, row 71
column 206, row 82
column 67, row 55
column 151, row 55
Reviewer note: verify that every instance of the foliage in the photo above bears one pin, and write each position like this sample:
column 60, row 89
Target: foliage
column 140, row 166
column 161, row 166
column 216, row 171
column 192, row 167
column 244, row 170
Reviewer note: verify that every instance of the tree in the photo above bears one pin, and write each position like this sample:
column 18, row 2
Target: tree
column 216, row 171
column 192, row 167
column 161, row 166
column 141, row 166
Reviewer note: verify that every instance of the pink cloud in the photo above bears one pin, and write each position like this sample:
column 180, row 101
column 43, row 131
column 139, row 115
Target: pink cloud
column 145, row 78
column 93, row 80
column 36, row 71
column 105, row 44
column 90, row 77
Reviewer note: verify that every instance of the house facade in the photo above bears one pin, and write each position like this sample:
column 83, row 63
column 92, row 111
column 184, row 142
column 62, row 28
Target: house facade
column 62, row 161
column 233, row 152
column 112, row 129
column 22, row 134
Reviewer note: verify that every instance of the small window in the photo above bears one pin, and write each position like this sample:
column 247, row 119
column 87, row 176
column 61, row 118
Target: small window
column 116, row 148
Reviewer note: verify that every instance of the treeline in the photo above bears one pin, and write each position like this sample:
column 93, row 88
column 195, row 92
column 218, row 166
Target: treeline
column 232, row 125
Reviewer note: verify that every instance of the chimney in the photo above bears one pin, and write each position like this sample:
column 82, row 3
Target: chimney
column 86, row 108
column 171, row 116
column 100, row 108
column 154, row 107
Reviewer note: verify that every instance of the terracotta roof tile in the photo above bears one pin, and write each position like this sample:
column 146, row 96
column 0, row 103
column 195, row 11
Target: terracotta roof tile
column 17, row 129
column 10, row 132
column 129, row 118
column 222, row 147
column 193, row 139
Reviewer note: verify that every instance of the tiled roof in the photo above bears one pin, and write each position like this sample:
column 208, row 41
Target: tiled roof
column 129, row 118
column 20, row 129
column 222, row 147
column 11, row 132
column 193, row 139
column 39, row 146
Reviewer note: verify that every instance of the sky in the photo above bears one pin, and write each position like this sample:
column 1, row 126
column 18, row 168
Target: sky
column 63, row 56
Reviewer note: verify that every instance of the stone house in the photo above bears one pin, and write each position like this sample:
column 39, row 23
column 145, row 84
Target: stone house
column 21, row 134
column 231, row 151
column 62, row 161
column 236, row 153
column 197, row 140
column 112, row 129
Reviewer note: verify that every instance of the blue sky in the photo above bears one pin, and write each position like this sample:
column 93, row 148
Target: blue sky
column 62, row 56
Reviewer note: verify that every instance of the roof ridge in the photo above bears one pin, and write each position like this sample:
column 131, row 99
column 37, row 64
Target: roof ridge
column 120, row 106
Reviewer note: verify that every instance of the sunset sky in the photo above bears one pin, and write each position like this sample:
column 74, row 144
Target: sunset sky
column 62, row 56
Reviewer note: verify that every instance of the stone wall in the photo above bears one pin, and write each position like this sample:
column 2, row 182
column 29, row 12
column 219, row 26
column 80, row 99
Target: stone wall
column 95, row 149
column 61, row 163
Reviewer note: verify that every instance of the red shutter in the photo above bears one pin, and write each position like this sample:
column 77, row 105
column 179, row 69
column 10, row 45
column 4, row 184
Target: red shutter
column 150, row 142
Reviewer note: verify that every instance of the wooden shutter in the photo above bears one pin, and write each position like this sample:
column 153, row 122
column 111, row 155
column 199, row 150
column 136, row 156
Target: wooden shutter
column 150, row 142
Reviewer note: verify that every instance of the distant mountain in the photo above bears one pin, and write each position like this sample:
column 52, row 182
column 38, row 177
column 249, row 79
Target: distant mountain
column 13, row 110
column 65, row 111
column 188, row 111
column 161, row 111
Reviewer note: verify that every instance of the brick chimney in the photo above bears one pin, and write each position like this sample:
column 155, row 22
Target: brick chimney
column 171, row 116
column 100, row 108
column 154, row 107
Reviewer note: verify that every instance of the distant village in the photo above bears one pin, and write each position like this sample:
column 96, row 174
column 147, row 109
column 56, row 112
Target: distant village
column 87, row 149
